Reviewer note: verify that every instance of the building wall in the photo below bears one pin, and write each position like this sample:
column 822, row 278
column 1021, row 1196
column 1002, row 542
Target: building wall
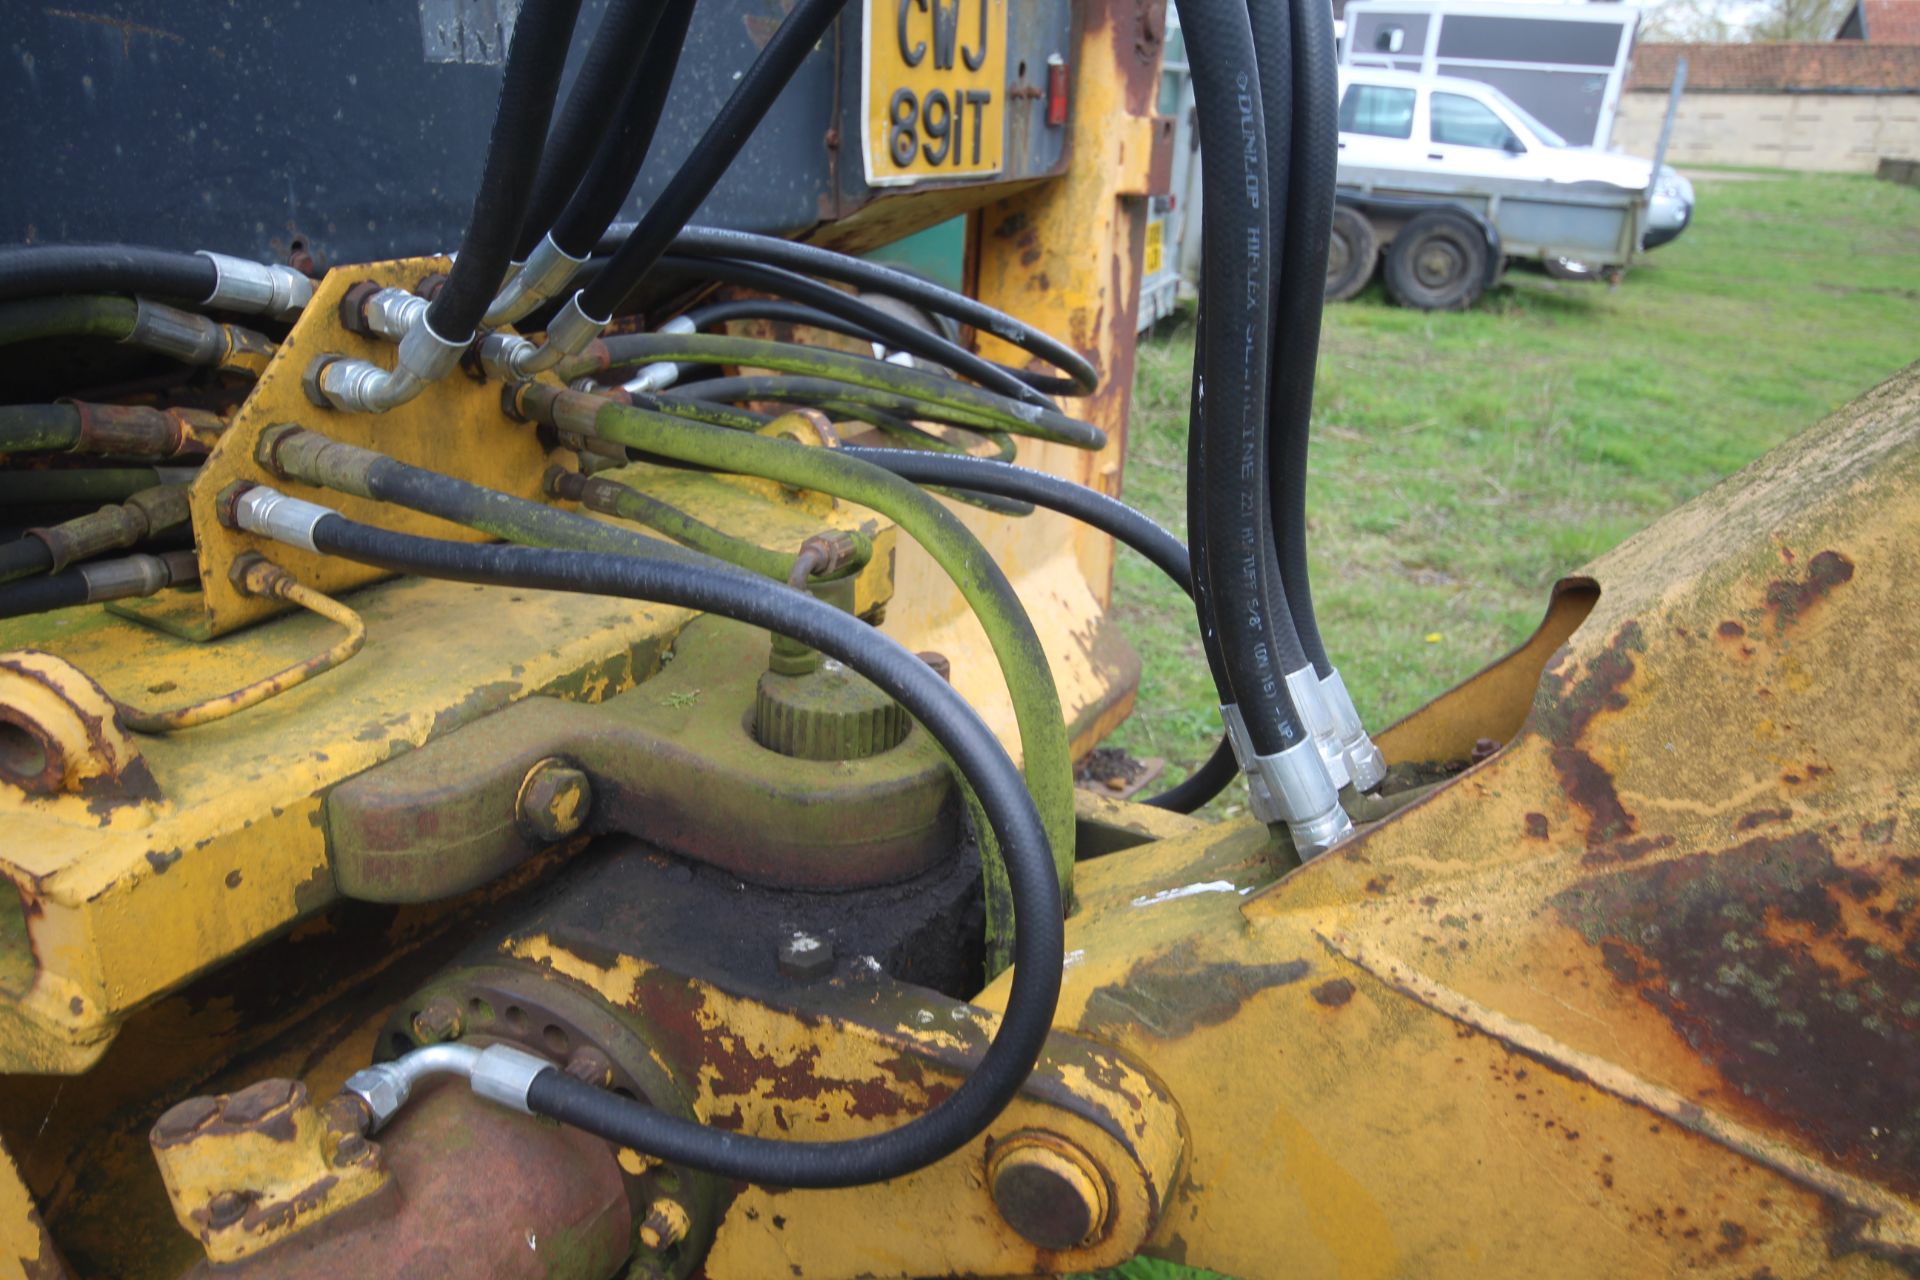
column 1833, row 132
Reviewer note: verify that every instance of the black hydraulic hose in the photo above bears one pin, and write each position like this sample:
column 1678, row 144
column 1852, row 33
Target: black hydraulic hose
column 613, row 59
column 894, row 331
column 976, row 754
column 535, row 60
column 1203, row 600
column 1300, row 297
column 715, row 242
column 752, row 98
column 1109, row 515
column 24, row 556
column 626, row 138
column 1202, row 785
column 39, row 594
column 1257, row 643
column 35, row 270
column 784, row 311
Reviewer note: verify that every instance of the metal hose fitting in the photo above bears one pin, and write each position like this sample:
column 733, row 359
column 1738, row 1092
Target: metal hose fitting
column 498, row 1072
column 1364, row 761
column 1303, row 687
column 360, row 386
column 547, row 270
column 1290, row 786
column 658, row 377
column 512, row 358
column 256, row 288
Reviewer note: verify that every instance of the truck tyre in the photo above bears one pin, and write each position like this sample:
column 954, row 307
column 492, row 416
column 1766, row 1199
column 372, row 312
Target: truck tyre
column 1438, row 262
column 1352, row 252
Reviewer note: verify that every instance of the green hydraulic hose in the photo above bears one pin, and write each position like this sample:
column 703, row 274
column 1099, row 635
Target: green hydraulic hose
column 38, row 428
column 909, row 386
column 76, row 316
column 83, row 484
column 1036, row 701
column 610, row 496
column 843, row 397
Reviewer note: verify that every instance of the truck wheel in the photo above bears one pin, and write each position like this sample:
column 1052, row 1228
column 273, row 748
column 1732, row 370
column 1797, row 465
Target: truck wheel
column 1438, row 262
column 1351, row 253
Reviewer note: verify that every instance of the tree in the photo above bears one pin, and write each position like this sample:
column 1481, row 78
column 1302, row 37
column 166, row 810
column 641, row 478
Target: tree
column 1736, row 21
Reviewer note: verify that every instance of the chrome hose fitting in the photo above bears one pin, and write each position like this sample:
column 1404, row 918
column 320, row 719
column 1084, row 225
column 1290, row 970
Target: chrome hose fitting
column 515, row 359
column 360, row 386
column 658, row 377
column 1364, row 761
column 390, row 313
column 498, row 1073
column 256, row 288
column 272, row 514
column 1303, row 688
column 1290, row 786
column 547, row 270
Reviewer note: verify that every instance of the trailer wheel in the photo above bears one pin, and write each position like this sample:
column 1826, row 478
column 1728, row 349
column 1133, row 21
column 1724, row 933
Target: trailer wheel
column 1351, row 253
column 1438, row 262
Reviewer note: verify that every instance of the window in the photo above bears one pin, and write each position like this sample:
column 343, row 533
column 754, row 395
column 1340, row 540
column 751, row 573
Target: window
column 1377, row 109
column 1462, row 122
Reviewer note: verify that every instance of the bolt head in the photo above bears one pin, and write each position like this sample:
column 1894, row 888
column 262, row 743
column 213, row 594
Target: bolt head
column 438, row 1022
column 554, row 800
column 804, row 956
column 226, row 1208
column 254, row 1104
column 1048, row 1190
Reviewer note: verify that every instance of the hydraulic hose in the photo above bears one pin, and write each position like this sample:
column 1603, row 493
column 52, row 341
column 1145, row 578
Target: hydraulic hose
column 152, row 326
column 1111, row 517
column 1256, row 633
column 67, row 316
column 893, row 330
column 1039, row 937
column 625, row 141
column 535, row 60
column 38, row 428
column 23, row 557
column 986, row 408
column 1022, row 658
column 28, row 271
column 752, row 98
column 295, row 453
column 611, row 497
column 613, row 59
column 1289, row 767
column 714, row 242
column 1303, row 227
column 844, row 397
column 84, row 484
column 136, row 575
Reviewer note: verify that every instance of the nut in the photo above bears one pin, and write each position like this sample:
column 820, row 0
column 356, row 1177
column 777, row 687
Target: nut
column 1048, row 1190
column 554, row 800
column 804, row 956
column 665, row 1224
column 439, row 1021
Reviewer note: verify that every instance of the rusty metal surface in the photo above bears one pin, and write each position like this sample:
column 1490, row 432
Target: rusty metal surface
column 475, row 1190
column 674, row 761
column 1636, row 994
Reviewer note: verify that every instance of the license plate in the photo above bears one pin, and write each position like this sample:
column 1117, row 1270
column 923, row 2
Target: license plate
column 935, row 89
column 1156, row 239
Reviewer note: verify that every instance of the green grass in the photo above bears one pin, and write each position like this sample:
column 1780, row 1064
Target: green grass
column 1462, row 462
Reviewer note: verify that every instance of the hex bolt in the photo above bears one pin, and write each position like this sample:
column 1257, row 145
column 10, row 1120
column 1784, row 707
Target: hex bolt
column 590, row 1066
column 438, row 1022
column 183, row 1119
column 938, row 661
column 225, row 1209
column 665, row 1224
column 253, row 1104
column 1048, row 1190
column 554, row 799
column 803, row 956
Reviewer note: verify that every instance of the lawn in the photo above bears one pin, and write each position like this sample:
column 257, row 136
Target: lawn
column 1462, row 462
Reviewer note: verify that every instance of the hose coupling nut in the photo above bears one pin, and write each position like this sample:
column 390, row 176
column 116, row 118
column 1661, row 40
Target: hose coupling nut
column 1305, row 798
column 547, row 270
column 1303, row 689
column 272, row 514
column 1364, row 761
column 256, row 288
column 385, row 313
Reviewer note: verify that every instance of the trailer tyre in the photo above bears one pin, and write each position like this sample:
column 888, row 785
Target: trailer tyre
column 1352, row 252
column 1438, row 262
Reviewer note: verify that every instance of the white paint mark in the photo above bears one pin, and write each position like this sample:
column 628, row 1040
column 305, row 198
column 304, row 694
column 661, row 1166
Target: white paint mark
column 1185, row 891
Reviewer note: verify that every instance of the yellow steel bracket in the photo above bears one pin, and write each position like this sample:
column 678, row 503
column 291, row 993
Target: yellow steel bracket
column 454, row 426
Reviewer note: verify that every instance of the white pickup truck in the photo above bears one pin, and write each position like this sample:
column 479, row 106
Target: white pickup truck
column 1444, row 180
